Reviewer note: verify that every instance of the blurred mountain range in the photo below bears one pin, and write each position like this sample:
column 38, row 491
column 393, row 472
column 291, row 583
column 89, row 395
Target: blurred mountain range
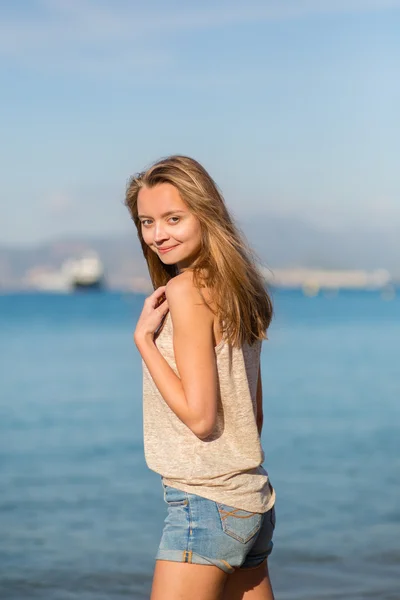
column 278, row 241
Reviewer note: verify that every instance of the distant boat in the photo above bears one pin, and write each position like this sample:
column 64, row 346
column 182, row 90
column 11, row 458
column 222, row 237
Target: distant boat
column 85, row 273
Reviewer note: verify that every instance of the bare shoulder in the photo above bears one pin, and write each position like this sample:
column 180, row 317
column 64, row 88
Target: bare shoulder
column 184, row 297
column 182, row 288
column 180, row 284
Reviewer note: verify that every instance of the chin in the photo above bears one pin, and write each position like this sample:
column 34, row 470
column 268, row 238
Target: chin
column 165, row 260
column 168, row 260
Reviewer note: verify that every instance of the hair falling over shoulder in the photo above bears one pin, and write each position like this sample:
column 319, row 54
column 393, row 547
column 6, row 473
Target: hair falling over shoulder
column 226, row 265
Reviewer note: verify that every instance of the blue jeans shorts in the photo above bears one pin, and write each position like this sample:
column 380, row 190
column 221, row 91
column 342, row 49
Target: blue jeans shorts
column 204, row 532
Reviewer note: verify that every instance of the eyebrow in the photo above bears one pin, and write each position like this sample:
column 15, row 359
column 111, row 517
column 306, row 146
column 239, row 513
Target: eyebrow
column 166, row 214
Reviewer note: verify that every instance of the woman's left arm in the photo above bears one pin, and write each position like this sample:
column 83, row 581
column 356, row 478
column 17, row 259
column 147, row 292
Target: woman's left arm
column 193, row 395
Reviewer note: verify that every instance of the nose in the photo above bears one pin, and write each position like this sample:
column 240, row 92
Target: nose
column 160, row 235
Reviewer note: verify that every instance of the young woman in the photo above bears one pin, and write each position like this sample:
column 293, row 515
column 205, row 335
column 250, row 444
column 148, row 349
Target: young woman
column 199, row 336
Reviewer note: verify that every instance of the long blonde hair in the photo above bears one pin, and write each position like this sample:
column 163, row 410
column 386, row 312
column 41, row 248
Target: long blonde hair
column 225, row 264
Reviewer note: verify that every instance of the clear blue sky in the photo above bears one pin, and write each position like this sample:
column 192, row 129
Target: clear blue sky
column 293, row 106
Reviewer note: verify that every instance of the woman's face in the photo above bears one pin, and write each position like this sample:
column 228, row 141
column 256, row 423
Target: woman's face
column 168, row 227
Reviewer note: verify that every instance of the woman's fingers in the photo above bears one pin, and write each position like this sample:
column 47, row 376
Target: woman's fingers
column 163, row 307
column 154, row 298
column 159, row 291
column 157, row 297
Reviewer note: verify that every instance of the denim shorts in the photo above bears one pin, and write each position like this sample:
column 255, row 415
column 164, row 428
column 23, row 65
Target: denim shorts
column 204, row 532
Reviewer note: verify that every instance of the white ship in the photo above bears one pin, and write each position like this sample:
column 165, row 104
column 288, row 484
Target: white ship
column 85, row 273
column 76, row 274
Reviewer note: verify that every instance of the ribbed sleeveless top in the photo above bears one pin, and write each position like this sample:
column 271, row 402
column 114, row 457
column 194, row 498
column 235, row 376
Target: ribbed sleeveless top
column 225, row 467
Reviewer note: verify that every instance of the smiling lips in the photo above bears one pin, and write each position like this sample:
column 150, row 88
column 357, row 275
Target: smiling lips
column 167, row 249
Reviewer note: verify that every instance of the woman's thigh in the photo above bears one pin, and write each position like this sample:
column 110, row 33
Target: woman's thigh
column 186, row 581
column 249, row 584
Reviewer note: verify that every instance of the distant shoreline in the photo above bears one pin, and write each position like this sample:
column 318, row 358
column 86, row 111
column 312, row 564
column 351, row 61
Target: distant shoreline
column 328, row 292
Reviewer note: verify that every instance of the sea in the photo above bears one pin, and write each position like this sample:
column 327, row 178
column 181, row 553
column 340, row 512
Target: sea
column 81, row 515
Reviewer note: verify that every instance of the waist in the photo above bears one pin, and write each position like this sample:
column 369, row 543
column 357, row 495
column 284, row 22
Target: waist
column 252, row 492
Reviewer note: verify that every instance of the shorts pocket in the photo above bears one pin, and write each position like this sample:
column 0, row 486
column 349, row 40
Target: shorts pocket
column 238, row 523
column 174, row 497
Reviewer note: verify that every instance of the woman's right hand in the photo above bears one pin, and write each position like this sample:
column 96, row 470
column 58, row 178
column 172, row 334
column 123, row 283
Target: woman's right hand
column 154, row 310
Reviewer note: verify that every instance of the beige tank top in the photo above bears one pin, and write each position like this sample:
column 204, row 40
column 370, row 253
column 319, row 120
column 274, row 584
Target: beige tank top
column 225, row 467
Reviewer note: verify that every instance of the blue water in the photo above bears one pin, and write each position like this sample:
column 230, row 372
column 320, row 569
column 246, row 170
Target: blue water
column 80, row 513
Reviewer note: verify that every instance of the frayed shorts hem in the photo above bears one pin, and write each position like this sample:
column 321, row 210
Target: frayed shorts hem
column 256, row 566
column 186, row 556
column 193, row 558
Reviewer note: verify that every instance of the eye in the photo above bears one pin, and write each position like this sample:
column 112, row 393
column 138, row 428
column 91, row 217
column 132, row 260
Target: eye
column 145, row 222
column 176, row 221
